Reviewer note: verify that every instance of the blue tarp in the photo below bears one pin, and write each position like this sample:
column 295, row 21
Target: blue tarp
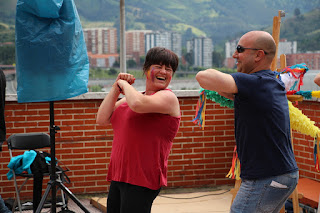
column 51, row 56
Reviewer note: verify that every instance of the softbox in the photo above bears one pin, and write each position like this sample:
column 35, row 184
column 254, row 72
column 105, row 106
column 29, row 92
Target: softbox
column 51, row 56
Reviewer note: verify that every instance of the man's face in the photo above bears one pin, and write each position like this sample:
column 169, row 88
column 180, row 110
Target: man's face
column 245, row 57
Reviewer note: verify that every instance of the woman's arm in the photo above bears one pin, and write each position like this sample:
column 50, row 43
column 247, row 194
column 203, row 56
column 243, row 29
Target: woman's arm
column 110, row 102
column 107, row 106
column 163, row 101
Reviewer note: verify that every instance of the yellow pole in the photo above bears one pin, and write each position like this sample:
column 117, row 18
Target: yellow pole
column 276, row 36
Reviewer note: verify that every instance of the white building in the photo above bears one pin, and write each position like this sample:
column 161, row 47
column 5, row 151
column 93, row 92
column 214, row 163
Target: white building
column 201, row 49
column 169, row 40
column 287, row 47
column 231, row 47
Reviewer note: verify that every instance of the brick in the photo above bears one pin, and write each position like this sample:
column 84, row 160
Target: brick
column 194, row 167
column 83, row 105
column 73, row 122
column 25, row 124
column 203, row 150
column 203, row 161
column 182, row 162
column 193, row 156
column 38, row 130
column 188, row 102
column 85, row 116
column 95, row 155
column 62, row 117
column 223, row 117
column 91, row 111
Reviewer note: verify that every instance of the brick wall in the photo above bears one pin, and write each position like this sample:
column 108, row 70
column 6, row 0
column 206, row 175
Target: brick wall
column 311, row 59
column 304, row 145
column 198, row 158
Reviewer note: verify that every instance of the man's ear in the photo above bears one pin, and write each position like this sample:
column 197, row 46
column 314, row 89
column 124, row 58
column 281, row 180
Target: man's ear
column 259, row 55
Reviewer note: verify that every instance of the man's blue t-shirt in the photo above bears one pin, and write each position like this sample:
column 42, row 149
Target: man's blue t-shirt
column 262, row 126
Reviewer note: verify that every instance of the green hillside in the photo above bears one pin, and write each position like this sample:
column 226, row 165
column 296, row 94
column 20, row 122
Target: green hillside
column 7, row 11
column 305, row 29
column 219, row 19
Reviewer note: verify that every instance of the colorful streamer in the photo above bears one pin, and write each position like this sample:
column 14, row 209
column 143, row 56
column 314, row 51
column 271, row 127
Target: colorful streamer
column 301, row 123
column 292, row 76
column 200, row 118
column 317, row 153
column 215, row 97
column 234, row 171
column 305, row 94
column 315, row 94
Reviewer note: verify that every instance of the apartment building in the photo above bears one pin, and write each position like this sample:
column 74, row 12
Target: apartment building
column 287, row 47
column 201, row 49
column 101, row 40
column 169, row 40
column 102, row 44
column 135, row 44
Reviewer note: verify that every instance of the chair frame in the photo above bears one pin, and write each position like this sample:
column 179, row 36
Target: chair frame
column 27, row 141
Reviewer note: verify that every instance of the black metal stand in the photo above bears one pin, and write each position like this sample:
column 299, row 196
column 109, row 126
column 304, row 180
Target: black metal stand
column 54, row 183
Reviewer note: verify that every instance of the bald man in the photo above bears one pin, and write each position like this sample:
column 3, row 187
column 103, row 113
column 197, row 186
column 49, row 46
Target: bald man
column 269, row 171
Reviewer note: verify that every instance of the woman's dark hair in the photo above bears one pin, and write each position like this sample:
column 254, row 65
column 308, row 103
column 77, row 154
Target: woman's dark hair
column 161, row 56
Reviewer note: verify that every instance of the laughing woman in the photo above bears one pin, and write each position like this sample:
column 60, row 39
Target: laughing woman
column 144, row 126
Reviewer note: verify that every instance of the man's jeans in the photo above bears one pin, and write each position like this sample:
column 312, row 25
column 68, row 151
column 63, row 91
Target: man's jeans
column 3, row 208
column 264, row 195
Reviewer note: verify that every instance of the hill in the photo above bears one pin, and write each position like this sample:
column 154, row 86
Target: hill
column 305, row 29
column 219, row 19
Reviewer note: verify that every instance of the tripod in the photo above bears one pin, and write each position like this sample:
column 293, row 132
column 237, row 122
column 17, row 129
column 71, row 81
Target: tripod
column 53, row 183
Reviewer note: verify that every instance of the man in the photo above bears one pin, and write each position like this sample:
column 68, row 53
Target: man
column 3, row 207
column 269, row 171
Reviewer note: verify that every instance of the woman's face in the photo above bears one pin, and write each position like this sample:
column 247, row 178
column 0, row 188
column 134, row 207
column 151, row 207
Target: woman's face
column 159, row 76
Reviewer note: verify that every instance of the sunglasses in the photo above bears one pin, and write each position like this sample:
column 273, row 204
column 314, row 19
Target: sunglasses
column 241, row 49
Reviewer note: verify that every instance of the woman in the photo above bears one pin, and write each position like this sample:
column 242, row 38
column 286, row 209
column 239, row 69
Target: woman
column 144, row 126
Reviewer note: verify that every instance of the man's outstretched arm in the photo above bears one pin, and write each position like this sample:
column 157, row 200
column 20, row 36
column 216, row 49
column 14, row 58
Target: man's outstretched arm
column 220, row 82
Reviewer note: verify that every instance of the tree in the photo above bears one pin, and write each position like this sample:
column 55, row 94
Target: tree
column 297, row 12
column 188, row 35
column 116, row 64
column 7, row 54
column 131, row 63
column 112, row 71
column 142, row 59
column 189, row 58
column 95, row 88
column 217, row 59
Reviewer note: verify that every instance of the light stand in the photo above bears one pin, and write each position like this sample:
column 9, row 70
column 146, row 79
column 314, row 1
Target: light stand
column 53, row 183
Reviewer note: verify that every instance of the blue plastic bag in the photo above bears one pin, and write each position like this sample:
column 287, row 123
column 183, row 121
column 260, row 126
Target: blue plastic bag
column 51, row 56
